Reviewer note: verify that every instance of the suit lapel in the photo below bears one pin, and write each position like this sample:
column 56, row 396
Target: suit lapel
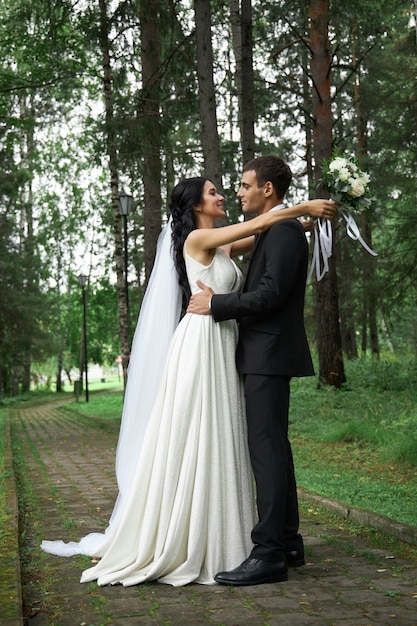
column 256, row 244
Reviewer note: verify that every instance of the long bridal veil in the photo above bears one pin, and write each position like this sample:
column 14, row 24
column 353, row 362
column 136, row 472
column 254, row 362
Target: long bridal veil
column 159, row 316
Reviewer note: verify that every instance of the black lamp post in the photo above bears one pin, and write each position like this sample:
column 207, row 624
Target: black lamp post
column 125, row 205
column 82, row 279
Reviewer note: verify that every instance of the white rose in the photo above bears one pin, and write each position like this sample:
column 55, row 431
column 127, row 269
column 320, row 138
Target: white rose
column 365, row 178
column 357, row 188
column 344, row 174
column 337, row 163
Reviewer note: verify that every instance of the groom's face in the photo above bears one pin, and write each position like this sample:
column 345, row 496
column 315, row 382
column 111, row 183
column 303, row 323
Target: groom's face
column 251, row 196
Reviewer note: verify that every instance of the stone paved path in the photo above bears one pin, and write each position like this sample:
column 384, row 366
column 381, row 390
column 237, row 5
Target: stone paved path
column 67, row 465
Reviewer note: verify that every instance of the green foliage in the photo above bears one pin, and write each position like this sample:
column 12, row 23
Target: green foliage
column 101, row 319
column 56, row 216
column 21, row 326
column 359, row 444
column 104, row 406
column 377, row 405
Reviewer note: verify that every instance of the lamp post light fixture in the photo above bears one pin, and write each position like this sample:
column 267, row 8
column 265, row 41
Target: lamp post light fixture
column 82, row 280
column 125, row 206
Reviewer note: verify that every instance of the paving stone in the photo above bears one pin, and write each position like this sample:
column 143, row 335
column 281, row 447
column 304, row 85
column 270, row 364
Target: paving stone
column 296, row 619
column 346, row 582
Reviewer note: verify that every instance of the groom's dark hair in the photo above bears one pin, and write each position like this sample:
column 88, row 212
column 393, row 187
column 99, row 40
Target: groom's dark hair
column 271, row 169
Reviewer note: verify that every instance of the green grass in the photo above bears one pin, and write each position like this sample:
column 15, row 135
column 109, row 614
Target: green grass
column 112, row 383
column 8, row 540
column 106, row 406
column 359, row 444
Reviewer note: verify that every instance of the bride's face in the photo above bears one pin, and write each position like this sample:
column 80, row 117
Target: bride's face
column 212, row 202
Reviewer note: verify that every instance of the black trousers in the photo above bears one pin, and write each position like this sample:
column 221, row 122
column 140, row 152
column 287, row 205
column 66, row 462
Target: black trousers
column 267, row 404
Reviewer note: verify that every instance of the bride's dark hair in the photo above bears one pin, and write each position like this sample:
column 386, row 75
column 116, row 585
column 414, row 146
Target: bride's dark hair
column 184, row 197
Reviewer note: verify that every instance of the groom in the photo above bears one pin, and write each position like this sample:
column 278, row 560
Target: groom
column 272, row 348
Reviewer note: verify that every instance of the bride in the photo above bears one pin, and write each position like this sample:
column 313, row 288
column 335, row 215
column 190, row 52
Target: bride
column 185, row 508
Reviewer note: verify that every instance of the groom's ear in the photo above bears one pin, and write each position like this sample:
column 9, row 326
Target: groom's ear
column 268, row 189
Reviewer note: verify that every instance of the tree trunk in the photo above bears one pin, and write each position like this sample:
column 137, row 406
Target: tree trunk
column 347, row 323
column 150, row 56
column 30, row 278
column 28, row 240
column 308, row 122
column 329, row 342
column 370, row 297
column 206, row 94
column 114, row 185
column 364, row 323
column 241, row 23
column 59, row 332
column 368, row 263
column 387, row 332
column 15, row 380
column 415, row 17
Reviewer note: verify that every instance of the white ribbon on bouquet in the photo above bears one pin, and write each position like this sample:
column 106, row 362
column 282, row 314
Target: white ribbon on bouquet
column 323, row 242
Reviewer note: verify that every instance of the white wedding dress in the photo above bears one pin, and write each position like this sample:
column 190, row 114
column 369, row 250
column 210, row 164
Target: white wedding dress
column 190, row 507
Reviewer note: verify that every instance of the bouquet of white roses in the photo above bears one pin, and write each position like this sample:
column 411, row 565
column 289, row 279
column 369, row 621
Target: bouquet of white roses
column 347, row 183
column 349, row 186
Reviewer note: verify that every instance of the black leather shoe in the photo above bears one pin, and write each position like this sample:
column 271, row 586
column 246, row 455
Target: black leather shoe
column 254, row 572
column 295, row 558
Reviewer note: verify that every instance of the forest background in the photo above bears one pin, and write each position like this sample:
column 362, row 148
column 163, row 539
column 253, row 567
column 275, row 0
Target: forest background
column 100, row 97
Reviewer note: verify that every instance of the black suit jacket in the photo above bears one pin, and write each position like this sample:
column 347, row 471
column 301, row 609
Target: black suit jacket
column 270, row 310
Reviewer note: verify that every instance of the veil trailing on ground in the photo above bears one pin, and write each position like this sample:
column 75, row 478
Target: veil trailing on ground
column 159, row 315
